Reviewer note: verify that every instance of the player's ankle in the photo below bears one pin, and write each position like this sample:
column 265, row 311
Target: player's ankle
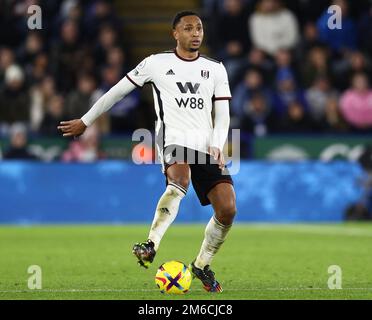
column 153, row 241
column 199, row 264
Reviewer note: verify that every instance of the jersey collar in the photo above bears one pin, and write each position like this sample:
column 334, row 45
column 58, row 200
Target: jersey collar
column 188, row 60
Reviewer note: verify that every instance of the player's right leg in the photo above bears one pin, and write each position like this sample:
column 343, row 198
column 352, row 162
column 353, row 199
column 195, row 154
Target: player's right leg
column 178, row 179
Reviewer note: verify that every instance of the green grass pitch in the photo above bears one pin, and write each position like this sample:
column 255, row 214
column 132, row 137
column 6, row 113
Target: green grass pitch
column 258, row 261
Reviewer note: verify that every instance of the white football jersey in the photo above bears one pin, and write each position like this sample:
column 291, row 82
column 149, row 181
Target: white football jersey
column 184, row 91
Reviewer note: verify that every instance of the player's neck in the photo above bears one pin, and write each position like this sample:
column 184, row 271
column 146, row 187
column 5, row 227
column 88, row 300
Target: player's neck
column 186, row 55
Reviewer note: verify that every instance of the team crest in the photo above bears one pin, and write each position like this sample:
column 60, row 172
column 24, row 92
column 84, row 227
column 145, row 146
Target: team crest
column 204, row 74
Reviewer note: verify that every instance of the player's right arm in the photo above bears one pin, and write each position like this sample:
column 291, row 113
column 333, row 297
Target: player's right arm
column 136, row 78
column 77, row 127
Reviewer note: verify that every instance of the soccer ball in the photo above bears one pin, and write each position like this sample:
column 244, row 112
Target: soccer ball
column 173, row 277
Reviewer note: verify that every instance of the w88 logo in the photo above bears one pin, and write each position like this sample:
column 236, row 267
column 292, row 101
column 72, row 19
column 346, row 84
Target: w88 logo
column 193, row 103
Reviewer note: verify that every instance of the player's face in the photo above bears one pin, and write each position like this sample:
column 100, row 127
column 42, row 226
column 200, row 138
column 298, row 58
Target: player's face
column 189, row 33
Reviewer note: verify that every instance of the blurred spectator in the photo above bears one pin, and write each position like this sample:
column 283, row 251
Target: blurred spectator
column 252, row 84
column 233, row 37
column 69, row 10
column 296, row 119
column 116, row 59
column 18, row 148
column 339, row 40
column 284, row 63
column 14, row 97
column 39, row 69
column 86, row 148
column 334, row 122
column 98, row 14
column 54, row 114
column 6, row 60
column 257, row 117
column 317, row 97
column 316, row 65
column 286, row 93
column 345, row 68
column 32, row 47
column 273, row 27
column 356, row 103
column 109, row 77
column 66, row 56
column 257, row 60
column 231, row 40
column 79, row 101
column 107, row 39
column 41, row 94
column 309, row 40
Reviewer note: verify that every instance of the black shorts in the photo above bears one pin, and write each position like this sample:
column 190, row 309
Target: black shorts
column 205, row 173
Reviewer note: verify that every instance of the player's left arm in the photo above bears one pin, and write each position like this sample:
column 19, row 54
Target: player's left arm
column 221, row 119
column 220, row 131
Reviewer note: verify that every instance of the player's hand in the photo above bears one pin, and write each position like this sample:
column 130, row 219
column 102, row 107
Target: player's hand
column 217, row 154
column 72, row 128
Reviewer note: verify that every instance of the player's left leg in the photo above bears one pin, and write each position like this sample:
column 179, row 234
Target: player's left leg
column 222, row 198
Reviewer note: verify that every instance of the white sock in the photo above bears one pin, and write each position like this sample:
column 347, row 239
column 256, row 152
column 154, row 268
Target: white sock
column 166, row 212
column 215, row 235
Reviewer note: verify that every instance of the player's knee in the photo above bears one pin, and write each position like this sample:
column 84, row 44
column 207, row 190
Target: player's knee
column 226, row 212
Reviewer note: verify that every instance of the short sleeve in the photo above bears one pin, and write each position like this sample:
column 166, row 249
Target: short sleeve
column 222, row 89
column 142, row 73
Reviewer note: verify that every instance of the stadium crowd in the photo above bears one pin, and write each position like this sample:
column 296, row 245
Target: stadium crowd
column 289, row 72
column 58, row 72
